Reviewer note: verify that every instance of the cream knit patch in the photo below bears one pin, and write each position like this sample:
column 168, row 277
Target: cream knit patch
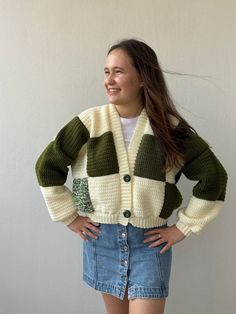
column 96, row 121
column 148, row 197
column 198, row 213
column 79, row 167
column 59, row 202
column 105, row 193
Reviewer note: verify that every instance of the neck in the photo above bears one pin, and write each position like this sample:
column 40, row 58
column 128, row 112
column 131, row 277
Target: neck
column 128, row 111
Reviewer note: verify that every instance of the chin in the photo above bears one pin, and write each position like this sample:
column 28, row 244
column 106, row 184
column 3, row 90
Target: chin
column 113, row 101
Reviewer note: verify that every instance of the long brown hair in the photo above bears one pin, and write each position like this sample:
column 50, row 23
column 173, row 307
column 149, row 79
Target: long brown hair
column 157, row 101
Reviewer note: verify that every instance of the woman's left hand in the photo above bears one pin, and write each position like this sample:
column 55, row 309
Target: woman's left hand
column 171, row 235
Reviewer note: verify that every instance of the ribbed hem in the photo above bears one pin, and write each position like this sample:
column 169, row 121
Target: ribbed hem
column 140, row 222
column 183, row 228
column 70, row 219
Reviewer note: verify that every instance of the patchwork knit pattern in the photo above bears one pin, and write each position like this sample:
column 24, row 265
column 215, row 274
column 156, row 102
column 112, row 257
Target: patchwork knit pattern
column 109, row 179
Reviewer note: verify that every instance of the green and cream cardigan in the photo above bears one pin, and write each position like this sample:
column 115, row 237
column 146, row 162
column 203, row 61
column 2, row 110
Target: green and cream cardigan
column 110, row 180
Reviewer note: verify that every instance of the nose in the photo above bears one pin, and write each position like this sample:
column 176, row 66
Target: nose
column 109, row 79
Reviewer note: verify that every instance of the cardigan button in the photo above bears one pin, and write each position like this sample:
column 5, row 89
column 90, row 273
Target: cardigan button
column 127, row 213
column 127, row 178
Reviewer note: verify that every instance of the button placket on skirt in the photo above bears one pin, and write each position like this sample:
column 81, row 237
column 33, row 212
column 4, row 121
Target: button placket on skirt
column 124, row 255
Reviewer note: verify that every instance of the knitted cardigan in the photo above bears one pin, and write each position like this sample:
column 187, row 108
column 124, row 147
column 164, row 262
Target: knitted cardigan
column 112, row 184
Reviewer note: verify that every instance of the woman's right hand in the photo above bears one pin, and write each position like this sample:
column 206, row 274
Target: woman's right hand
column 81, row 226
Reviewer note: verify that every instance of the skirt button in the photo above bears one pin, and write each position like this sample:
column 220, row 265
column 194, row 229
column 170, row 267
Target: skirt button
column 127, row 213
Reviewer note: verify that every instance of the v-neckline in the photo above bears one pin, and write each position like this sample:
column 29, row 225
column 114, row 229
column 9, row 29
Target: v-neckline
column 127, row 156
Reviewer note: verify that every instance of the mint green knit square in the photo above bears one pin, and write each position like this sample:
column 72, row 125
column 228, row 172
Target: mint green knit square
column 81, row 195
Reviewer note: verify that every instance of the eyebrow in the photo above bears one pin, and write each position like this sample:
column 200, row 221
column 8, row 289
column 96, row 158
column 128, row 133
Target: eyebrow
column 114, row 68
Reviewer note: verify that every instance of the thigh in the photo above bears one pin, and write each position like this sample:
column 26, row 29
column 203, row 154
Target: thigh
column 147, row 306
column 115, row 305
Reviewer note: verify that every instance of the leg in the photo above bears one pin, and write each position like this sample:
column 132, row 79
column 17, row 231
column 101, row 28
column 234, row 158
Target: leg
column 147, row 306
column 115, row 305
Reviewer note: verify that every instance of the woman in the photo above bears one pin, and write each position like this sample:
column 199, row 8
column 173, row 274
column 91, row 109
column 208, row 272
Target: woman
column 126, row 158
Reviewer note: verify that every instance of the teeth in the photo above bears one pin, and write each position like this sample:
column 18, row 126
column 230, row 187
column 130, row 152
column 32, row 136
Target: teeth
column 113, row 89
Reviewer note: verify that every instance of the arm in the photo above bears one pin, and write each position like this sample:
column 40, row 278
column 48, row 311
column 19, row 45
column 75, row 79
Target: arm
column 52, row 170
column 208, row 194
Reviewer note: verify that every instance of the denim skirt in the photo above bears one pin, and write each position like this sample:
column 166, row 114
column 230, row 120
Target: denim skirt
column 118, row 259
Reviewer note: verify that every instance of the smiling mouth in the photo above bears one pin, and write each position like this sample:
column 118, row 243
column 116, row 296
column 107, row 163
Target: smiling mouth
column 113, row 91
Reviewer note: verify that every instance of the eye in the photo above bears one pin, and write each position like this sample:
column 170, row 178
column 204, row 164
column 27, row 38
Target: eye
column 107, row 73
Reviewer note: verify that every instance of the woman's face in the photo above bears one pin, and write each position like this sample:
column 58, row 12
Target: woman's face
column 121, row 79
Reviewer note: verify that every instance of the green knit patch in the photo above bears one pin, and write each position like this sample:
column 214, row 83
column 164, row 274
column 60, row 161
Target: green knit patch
column 52, row 165
column 149, row 161
column 102, row 158
column 202, row 165
column 81, row 195
column 193, row 146
column 210, row 174
column 173, row 200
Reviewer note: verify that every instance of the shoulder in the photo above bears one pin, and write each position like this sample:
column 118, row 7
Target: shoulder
column 189, row 141
column 81, row 123
column 91, row 113
column 189, row 138
column 93, row 110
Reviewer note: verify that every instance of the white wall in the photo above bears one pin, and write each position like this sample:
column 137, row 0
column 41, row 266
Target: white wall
column 51, row 67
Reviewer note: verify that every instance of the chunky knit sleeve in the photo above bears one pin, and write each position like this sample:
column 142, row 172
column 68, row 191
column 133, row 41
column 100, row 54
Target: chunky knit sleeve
column 208, row 194
column 52, row 170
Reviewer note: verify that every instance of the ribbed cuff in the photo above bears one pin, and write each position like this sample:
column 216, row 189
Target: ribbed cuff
column 70, row 219
column 183, row 228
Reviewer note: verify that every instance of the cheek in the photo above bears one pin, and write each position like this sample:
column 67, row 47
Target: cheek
column 133, row 87
column 128, row 84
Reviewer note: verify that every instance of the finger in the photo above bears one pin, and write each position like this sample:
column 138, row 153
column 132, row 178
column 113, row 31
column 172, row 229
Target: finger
column 92, row 227
column 165, row 248
column 93, row 222
column 151, row 231
column 82, row 235
column 97, row 230
column 156, row 243
column 92, row 235
column 152, row 238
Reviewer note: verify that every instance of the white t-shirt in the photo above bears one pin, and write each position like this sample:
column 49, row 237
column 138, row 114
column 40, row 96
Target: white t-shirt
column 128, row 126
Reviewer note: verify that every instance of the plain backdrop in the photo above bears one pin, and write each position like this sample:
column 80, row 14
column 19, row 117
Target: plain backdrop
column 51, row 68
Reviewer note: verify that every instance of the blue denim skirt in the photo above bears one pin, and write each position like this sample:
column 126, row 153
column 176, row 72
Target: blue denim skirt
column 118, row 258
